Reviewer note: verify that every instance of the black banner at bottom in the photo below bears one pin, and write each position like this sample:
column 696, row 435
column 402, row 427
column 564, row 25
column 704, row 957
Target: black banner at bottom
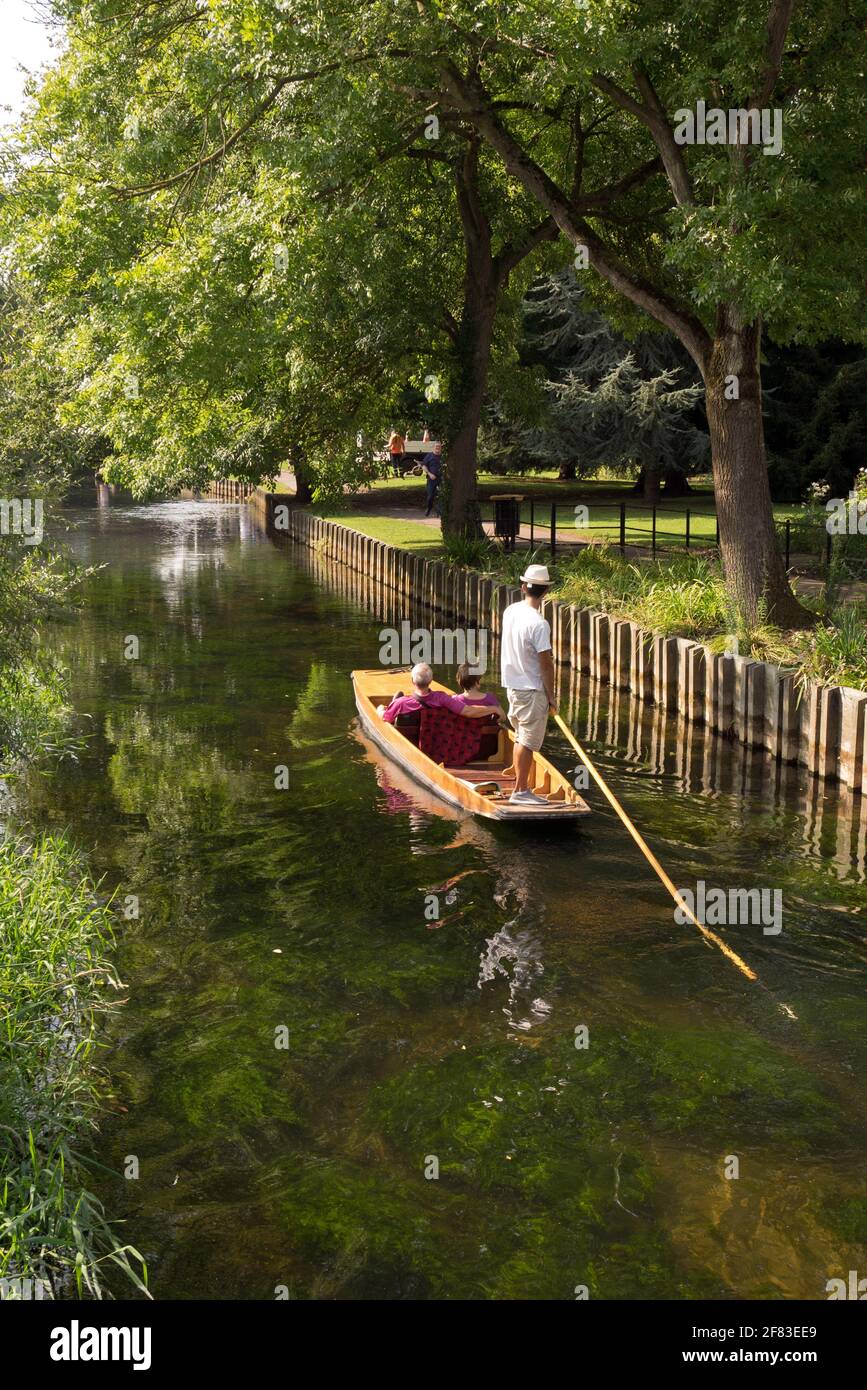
column 60, row 1340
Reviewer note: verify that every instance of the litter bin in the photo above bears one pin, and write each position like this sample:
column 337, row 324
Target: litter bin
column 507, row 517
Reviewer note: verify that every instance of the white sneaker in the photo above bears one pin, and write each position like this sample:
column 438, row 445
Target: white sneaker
column 528, row 798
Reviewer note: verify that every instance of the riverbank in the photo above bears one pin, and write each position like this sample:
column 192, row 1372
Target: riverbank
column 658, row 566
column 771, row 704
column 56, row 985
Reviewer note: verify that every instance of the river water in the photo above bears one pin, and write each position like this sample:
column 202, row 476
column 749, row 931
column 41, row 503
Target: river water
column 331, row 1092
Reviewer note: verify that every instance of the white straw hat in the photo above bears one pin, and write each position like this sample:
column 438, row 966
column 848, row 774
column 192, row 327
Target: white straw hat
column 536, row 574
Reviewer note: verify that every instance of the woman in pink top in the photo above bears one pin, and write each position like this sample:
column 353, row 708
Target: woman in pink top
column 471, row 686
column 425, row 698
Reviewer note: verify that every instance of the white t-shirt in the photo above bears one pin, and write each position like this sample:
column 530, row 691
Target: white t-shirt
column 525, row 634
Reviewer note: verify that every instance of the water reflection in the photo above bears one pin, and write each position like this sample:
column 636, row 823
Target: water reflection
column 683, row 757
column 450, row 1034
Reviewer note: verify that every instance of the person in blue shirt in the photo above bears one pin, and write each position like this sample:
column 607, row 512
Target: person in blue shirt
column 432, row 464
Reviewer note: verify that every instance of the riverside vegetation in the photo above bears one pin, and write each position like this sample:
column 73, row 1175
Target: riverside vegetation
column 56, row 982
column 686, row 596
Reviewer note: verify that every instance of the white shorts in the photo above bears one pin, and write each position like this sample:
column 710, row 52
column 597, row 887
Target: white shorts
column 528, row 716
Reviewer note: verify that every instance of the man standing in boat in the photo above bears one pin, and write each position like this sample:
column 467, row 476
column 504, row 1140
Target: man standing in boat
column 527, row 672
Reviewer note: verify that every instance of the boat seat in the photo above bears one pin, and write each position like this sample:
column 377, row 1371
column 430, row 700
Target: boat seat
column 409, row 725
column 489, row 745
column 452, row 739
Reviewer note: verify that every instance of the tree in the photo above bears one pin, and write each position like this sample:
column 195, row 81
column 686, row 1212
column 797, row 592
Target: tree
column 613, row 403
column 590, row 110
column 185, row 335
column 593, row 110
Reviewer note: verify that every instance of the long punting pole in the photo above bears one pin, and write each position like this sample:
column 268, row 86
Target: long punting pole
column 651, row 857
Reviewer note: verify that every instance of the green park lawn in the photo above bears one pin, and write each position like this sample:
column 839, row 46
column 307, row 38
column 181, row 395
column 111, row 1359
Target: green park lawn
column 407, row 535
column 368, row 511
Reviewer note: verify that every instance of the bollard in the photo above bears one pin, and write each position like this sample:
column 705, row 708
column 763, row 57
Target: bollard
column 665, row 666
column 719, row 694
column 641, row 663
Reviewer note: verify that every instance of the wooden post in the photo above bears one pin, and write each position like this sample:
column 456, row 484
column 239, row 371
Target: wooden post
column 599, row 646
column 853, row 737
column 619, row 652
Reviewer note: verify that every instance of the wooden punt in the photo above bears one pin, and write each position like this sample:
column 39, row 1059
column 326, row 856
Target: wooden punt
column 456, row 785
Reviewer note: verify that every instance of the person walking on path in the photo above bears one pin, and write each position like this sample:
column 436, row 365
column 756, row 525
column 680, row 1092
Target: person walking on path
column 432, row 464
column 527, row 672
column 396, row 447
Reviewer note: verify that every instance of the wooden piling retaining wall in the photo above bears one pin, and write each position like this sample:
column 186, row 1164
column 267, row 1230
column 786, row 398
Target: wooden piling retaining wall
column 228, row 490
column 756, row 703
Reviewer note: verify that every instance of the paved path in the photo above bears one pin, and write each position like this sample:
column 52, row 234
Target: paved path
column 573, row 541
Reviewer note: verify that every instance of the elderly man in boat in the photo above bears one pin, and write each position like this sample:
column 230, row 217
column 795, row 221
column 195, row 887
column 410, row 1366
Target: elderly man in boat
column 423, row 697
column 436, row 722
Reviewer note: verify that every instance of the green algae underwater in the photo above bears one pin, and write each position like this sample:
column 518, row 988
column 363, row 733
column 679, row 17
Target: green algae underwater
column 331, row 1094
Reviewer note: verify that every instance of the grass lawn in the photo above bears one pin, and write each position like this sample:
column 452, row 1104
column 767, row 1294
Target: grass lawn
column 601, row 496
column 407, row 535
column 399, row 492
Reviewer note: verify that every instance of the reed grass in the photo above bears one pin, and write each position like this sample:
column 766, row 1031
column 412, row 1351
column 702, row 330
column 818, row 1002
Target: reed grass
column 55, row 985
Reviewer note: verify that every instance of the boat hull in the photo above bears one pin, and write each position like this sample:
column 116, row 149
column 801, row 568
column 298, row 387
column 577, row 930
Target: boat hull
column 447, row 785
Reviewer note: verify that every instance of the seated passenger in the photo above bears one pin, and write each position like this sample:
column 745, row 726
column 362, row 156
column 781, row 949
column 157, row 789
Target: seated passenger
column 472, row 693
column 425, row 698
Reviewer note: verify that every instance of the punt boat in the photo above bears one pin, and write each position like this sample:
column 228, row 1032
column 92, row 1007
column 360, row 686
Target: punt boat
column 481, row 787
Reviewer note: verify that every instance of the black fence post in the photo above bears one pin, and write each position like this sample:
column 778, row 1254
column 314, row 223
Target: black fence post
column 687, row 528
column 788, row 541
column 829, row 546
column 553, row 529
column 716, row 518
column 623, row 527
column 532, row 520
column 653, row 532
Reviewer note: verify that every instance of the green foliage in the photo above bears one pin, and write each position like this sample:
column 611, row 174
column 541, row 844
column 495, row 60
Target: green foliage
column 275, row 306
column 815, row 403
column 613, row 403
column 475, row 552
column 34, row 715
column 835, row 651
column 175, row 151
column 54, row 982
column 685, row 596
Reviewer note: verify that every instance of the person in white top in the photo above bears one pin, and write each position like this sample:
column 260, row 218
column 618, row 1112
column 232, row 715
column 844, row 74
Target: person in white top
column 527, row 672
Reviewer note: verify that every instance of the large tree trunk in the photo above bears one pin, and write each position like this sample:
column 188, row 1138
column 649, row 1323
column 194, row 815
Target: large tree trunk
column 472, row 352
column 648, row 482
column 303, row 484
column 754, row 569
column 461, row 512
column 651, row 482
column 676, row 483
column 485, row 275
